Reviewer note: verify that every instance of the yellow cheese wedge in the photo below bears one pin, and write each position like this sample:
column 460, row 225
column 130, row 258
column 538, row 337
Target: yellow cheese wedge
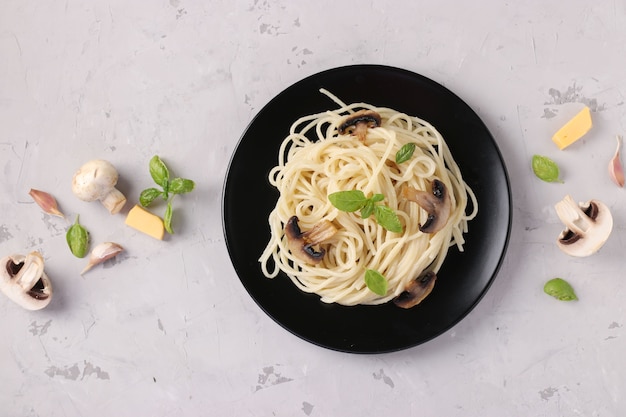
column 145, row 222
column 574, row 129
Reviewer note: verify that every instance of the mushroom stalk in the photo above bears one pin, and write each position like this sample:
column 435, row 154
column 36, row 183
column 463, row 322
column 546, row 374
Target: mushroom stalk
column 572, row 215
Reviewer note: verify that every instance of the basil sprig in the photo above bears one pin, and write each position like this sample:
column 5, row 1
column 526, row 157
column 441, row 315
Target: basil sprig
column 169, row 188
column 354, row 200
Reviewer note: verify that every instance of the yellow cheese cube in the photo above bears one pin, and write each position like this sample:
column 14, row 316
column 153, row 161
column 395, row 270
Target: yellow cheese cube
column 145, row 222
column 574, row 129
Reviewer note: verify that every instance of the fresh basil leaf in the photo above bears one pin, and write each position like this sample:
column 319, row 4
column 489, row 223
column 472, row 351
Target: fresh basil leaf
column 387, row 218
column 148, row 195
column 159, row 172
column 181, row 186
column 77, row 239
column 367, row 210
column 376, row 282
column 545, row 169
column 405, row 153
column 377, row 197
column 348, row 200
column 167, row 218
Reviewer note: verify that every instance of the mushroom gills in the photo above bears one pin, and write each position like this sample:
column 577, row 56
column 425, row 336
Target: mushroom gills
column 305, row 245
column 588, row 226
column 436, row 203
column 25, row 282
column 416, row 291
column 39, row 290
column 358, row 123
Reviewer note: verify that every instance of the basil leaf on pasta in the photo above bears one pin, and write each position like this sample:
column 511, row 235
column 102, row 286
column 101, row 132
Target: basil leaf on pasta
column 376, row 282
column 387, row 218
column 405, row 153
column 348, row 200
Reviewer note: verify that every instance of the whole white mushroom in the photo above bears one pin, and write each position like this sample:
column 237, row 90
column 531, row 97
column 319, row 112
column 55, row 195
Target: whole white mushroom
column 96, row 180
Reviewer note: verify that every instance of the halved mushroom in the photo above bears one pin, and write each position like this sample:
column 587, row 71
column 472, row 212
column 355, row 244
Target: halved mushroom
column 416, row 291
column 588, row 226
column 357, row 124
column 305, row 245
column 437, row 204
column 24, row 281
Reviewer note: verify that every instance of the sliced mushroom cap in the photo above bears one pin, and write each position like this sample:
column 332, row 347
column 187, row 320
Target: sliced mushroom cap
column 305, row 245
column 357, row 124
column 437, row 204
column 588, row 226
column 416, row 291
column 23, row 280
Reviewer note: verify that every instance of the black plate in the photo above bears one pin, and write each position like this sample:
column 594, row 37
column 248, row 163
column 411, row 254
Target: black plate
column 463, row 279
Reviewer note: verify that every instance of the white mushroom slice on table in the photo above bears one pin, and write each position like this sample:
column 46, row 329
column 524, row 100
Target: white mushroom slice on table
column 588, row 226
column 23, row 280
column 96, row 180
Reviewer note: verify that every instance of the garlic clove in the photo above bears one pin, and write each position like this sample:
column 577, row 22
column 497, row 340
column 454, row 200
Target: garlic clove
column 616, row 170
column 46, row 202
column 102, row 252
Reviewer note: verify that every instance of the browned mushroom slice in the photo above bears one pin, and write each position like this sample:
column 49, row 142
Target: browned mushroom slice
column 416, row 291
column 437, row 204
column 305, row 245
column 357, row 124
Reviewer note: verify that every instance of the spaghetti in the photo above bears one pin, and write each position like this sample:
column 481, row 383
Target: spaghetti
column 315, row 160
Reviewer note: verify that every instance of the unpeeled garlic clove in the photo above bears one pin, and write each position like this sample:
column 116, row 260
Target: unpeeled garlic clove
column 46, row 202
column 102, row 252
column 616, row 170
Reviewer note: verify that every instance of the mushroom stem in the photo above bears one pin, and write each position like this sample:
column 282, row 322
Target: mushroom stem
column 113, row 201
column 572, row 215
column 31, row 272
